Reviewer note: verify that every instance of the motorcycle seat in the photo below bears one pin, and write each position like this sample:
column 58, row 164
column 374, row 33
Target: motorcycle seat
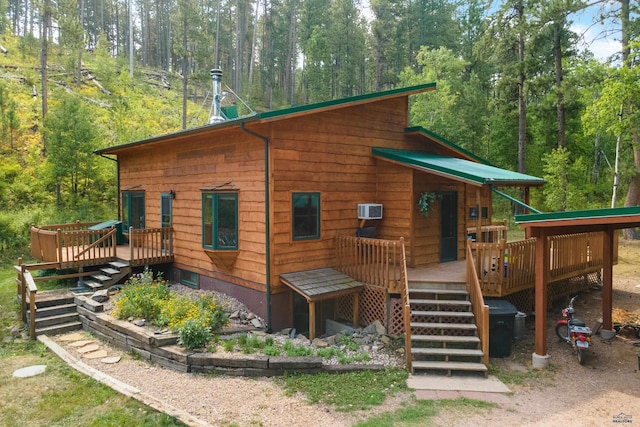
column 576, row 322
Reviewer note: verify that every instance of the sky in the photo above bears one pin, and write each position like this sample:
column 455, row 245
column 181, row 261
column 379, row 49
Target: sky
column 603, row 39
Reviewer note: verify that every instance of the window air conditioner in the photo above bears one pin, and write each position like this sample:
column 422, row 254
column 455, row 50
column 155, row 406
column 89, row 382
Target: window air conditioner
column 369, row 211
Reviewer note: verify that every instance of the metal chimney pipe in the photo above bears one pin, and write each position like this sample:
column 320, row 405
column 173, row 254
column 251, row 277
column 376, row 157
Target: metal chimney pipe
column 216, row 77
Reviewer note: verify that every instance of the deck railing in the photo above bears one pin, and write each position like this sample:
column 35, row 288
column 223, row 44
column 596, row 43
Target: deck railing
column 372, row 261
column 27, row 286
column 406, row 307
column 506, row 268
column 150, row 245
column 480, row 309
column 73, row 246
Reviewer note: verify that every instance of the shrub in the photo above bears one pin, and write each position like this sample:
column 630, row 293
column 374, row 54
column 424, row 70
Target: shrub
column 194, row 334
column 142, row 297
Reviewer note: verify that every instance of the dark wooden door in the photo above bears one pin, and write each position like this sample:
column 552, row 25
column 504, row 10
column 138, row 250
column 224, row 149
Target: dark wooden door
column 449, row 227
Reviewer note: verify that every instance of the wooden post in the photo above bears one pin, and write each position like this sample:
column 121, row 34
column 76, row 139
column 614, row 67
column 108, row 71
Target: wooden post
column 479, row 216
column 607, row 279
column 131, row 244
column 23, row 291
column 312, row 320
column 542, row 266
column 32, row 315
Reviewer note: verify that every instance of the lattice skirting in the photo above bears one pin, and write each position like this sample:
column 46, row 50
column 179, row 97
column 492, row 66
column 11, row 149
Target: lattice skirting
column 372, row 306
column 525, row 300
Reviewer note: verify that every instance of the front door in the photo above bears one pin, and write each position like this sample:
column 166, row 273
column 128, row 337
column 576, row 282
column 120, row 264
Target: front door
column 449, row 227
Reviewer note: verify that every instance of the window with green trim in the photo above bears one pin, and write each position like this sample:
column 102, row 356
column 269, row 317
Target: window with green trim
column 132, row 209
column 189, row 278
column 220, row 220
column 305, row 216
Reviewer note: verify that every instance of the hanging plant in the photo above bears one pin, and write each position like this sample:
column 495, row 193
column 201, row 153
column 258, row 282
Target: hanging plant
column 425, row 202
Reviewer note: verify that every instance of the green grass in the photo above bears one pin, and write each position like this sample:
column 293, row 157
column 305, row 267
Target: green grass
column 419, row 412
column 61, row 396
column 349, row 391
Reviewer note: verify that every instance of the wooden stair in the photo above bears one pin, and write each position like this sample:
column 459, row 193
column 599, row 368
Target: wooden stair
column 444, row 335
column 56, row 313
column 113, row 273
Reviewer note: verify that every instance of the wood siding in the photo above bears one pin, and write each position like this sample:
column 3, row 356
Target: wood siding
column 188, row 164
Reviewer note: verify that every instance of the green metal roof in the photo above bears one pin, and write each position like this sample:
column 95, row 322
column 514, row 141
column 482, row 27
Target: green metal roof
column 360, row 99
column 457, row 169
column 612, row 214
column 282, row 114
column 419, row 130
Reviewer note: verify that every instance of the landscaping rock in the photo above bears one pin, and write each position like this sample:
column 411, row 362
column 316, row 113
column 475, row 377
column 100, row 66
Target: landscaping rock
column 375, row 328
column 257, row 323
column 139, row 322
column 100, row 296
column 30, row 371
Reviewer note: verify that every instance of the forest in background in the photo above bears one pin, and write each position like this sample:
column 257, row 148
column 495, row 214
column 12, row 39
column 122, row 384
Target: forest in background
column 514, row 86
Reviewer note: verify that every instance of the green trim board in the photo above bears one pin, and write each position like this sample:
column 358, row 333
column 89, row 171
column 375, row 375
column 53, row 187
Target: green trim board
column 611, row 214
column 419, row 130
column 282, row 114
column 457, row 169
column 359, row 99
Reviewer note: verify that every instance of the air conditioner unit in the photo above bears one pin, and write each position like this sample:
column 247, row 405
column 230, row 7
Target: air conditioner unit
column 369, row 211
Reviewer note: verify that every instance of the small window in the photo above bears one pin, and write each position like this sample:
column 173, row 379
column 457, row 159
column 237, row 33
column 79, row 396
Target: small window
column 485, row 212
column 189, row 278
column 220, row 220
column 473, row 213
column 306, row 216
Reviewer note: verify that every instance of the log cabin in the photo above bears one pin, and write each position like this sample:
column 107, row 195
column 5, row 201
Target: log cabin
column 255, row 198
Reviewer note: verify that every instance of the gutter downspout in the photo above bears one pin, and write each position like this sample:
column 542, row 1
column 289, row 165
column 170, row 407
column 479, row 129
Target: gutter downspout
column 119, row 199
column 267, row 218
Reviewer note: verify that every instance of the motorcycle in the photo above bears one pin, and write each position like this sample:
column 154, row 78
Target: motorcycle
column 572, row 330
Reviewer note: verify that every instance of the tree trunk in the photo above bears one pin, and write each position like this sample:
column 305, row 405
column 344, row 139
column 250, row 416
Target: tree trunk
column 43, row 65
column 560, row 107
column 185, row 70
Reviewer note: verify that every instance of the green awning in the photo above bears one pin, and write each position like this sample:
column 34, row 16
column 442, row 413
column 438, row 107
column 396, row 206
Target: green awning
column 626, row 217
column 457, row 169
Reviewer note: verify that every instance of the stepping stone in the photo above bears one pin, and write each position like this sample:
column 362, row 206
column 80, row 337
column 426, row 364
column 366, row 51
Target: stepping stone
column 72, row 337
column 100, row 354
column 111, row 360
column 89, row 348
column 80, row 343
column 30, row 371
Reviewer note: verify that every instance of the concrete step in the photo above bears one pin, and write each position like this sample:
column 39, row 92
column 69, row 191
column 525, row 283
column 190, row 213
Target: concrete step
column 59, row 329
column 449, row 366
column 447, row 352
column 444, row 326
column 53, row 310
column 49, row 299
column 446, row 339
column 56, row 320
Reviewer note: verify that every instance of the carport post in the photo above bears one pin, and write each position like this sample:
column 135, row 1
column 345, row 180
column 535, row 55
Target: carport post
column 540, row 358
column 607, row 279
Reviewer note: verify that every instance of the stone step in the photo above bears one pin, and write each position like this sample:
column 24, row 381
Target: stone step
column 119, row 264
column 53, row 310
column 449, row 366
column 58, row 319
column 447, row 352
column 59, row 329
column 460, row 314
column 446, row 339
column 94, row 285
column 109, row 271
column 430, row 325
column 449, row 302
column 46, row 299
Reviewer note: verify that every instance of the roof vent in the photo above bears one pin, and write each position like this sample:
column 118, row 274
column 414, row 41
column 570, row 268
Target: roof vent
column 215, row 115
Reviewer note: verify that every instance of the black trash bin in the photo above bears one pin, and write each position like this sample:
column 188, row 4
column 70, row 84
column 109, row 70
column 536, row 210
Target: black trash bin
column 502, row 316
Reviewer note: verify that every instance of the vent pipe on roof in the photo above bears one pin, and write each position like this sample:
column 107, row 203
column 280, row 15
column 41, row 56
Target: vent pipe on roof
column 216, row 115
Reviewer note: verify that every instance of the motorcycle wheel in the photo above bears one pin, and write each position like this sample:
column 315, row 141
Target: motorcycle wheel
column 562, row 331
column 581, row 356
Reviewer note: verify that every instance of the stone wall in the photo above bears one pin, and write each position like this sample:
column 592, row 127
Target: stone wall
column 163, row 349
